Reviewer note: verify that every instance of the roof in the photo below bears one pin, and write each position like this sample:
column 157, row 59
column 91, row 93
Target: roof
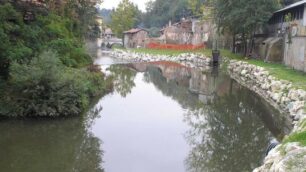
column 134, row 31
column 292, row 6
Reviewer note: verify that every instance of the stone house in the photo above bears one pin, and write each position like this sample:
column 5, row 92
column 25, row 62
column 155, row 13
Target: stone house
column 135, row 38
column 286, row 40
column 187, row 32
column 108, row 33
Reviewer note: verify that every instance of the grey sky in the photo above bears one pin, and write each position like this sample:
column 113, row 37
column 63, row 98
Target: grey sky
column 109, row 4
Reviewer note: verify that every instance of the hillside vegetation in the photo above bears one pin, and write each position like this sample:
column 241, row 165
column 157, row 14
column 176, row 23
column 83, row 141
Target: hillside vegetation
column 43, row 63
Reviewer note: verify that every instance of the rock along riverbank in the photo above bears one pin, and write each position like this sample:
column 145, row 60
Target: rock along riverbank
column 289, row 156
column 189, row 59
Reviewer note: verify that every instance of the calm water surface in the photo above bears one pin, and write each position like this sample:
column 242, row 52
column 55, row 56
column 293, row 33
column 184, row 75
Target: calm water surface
column 162, row 117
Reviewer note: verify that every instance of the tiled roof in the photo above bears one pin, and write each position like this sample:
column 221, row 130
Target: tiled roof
column 133, row 31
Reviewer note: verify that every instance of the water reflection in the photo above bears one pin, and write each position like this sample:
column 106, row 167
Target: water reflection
column 62, row 145
column 123, row 79
column 229, row 126
column 162, row 117
column 227, row 135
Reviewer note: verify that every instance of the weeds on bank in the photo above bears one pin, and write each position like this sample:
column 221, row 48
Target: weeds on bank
column 297, row 137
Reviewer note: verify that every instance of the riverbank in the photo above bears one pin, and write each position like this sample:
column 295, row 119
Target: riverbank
column 43, row 60
column 47, row 88
column 279, row 71
column 282, row 87
column 189, row 59
column 290, row 155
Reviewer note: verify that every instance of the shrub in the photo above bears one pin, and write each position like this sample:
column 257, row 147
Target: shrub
column 72, row 54
column 45, row 87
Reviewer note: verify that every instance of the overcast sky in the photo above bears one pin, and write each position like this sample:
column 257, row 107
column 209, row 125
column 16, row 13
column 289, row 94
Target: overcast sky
column 109, row 4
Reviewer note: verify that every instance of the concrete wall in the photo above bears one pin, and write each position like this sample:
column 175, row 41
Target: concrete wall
column 134, row 40
column 270, row 49
column 294, row 53
column 188, row 32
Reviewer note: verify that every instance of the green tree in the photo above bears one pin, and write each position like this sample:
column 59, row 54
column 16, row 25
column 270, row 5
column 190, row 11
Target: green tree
column 243, row 17
column 160, row 12
column 11, row 46
column 124, row 17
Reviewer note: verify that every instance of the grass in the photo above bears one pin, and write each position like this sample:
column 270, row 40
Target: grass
column 277, row 70
column 297, row 137
column 283, row 72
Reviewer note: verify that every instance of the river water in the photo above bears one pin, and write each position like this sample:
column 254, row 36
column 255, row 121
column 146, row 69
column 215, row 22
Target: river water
column 161, row 117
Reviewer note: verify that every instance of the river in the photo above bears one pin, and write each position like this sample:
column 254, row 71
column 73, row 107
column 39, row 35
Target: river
column 161, row 117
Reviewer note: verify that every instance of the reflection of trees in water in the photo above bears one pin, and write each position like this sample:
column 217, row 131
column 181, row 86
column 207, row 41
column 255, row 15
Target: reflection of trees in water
column 171, row 88
column 63, row 145
column 227, row 135
column 123, row 79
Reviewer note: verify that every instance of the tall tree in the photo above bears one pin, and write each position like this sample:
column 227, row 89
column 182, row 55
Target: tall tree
column 160, row 12
column 243, row 17
column 124, row 17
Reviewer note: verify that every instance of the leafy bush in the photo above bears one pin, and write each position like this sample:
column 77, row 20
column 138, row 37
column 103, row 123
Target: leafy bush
column 72, row 54
column 11, row 47
column 45, row 87
column 20, row 40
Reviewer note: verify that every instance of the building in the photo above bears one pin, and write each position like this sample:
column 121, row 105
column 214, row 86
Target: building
column 286, row 40
column 187, row 32
column 108, row 33
column 135, row 38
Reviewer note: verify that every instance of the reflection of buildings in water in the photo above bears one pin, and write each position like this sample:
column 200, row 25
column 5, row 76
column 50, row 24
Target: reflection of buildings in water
column 203, row 84
column 209, row 87
column 227, row 128
column 170, row 70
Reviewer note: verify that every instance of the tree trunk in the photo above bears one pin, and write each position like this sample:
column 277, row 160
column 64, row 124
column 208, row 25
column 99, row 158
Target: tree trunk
column 234, row 44
column 4, row 69
column 245, row 44
column 251, row 43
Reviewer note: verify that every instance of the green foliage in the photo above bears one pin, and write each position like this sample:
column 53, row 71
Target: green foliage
column 160, row 12
column 72, row 54
column 124, row 17
column 201, row 8
column 11, row 47
column 154, row 32
column 123, row 79
column 21, row 41
column 45, row 87
column 243, row 16
column 81, row 12
column 56, row 26
column 297, row 137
